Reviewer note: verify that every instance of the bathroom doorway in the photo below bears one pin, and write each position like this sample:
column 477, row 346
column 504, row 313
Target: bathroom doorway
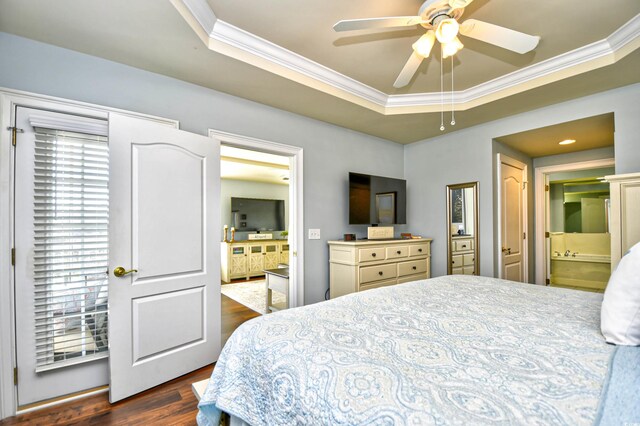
column 572, row 201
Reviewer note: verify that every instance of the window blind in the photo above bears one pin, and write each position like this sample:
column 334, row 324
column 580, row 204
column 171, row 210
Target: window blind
column 71, row 218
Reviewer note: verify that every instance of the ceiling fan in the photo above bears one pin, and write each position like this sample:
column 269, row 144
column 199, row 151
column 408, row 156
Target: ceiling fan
column 440, row 18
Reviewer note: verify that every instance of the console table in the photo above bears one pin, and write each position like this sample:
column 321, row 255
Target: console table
column 246, row 259
column 365, row 264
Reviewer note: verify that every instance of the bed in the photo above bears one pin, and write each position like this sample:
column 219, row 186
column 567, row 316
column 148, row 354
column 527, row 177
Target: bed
column 448, row 350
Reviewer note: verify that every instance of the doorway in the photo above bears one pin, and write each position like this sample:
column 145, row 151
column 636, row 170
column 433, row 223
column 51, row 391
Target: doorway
column 294, row 238
column 573, row 240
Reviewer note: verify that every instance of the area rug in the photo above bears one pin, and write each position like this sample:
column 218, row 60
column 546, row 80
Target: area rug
column 252, row 294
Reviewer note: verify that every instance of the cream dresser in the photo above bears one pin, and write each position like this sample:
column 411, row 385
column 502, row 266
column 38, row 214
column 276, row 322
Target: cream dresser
column 246, row 259
column 365, row 264
column 462, row 255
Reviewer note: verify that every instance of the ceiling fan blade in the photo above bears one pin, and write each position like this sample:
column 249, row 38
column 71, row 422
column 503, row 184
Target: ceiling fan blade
column 499, row 36
column 459, row 4
column 408, row 71
column 368, row 23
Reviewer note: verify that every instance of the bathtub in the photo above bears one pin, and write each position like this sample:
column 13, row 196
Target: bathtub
column 582, row 271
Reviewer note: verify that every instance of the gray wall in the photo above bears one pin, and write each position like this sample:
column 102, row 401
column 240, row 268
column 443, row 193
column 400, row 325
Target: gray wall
column 469, row 155
column 330, row 152
column 247, row 189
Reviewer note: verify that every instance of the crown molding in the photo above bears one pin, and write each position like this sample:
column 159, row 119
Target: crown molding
column 229, row 40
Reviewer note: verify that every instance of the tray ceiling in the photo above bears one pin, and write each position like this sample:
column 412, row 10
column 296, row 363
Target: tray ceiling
column 155, row 36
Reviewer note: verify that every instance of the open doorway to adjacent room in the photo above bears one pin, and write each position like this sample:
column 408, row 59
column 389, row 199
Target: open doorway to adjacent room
column 570, row 199
column 259, row 208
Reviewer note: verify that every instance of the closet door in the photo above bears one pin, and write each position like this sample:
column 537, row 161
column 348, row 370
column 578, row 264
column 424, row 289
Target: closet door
column 164, row 254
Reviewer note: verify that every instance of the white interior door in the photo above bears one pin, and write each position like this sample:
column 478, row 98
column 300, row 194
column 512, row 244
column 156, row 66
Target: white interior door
column 512, row 218
column 164, row 317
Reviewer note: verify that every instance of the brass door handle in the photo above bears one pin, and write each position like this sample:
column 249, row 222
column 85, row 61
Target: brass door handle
column 121, row 272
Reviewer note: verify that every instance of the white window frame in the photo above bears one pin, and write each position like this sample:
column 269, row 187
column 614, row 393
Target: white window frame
column 9, row 100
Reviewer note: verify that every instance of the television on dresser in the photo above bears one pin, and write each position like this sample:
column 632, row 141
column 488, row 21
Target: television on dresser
column 377, row 200
column 257, row 214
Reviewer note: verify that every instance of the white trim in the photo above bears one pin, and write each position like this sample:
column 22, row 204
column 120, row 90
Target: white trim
column 542, row 208
column 502, row 158
column 296, row 202
column 9, row 99
column 229, row 40
column 49, row 120
column 63, row 400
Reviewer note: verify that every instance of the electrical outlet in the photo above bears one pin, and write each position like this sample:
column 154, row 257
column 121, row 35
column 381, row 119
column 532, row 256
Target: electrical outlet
column 314, row 234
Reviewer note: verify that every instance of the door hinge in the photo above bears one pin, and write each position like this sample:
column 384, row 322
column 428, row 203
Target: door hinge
column 524, row 185
column 13, row 256
column 524, row 235
column 546, row 235
column 548, row 281
column 546, row 188
column 14, row 134
column 295, row 254
column 15, row 376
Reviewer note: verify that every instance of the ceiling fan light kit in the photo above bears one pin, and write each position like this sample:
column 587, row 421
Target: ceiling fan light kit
column 441, row 20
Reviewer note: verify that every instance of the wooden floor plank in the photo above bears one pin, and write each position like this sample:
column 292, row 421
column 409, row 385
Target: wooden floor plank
column 172, row 403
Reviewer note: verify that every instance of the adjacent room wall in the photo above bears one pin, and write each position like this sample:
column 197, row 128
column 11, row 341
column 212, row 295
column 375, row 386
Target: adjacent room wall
column 467, row 155
column 330, row 152
column 248, row 189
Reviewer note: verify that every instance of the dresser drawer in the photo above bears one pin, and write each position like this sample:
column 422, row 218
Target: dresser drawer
column 376, row 273
column 457, row 261
column 369, row 254
column 468, row 259
column 412, row 267
column 463, row 245
column 397, row 252
column 418, row 249
column 377, row 284
column 410, row 278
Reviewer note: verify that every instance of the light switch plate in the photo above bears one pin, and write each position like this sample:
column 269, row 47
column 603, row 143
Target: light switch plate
column 314, row 234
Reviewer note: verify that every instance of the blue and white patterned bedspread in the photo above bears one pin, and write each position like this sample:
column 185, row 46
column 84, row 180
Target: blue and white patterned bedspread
column 449, row 350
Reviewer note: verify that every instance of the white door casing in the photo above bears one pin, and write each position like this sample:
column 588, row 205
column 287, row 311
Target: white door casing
column 164, row 218
column 542, row 243
column 295, row 239
column 512, row 178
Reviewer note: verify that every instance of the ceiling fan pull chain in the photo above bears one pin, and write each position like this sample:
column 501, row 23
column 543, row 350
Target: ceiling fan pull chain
column 441, row 90
column 453, row 114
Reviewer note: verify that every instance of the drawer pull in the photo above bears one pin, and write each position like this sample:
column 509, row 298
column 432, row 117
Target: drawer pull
column 464, row 246
column 373, row 255
column 398, row 252
column 453, row 262
column 414, row 268
column 419, row 250
column 380, row 273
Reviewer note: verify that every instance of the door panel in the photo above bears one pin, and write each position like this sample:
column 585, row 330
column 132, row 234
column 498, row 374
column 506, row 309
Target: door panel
column 165, row 315
column 166, row 322
column 167, row 213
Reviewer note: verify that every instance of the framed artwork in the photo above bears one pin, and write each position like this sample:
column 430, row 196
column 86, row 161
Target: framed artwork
column 386, row 207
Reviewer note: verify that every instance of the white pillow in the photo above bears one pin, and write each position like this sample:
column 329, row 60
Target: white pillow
column 620, row 313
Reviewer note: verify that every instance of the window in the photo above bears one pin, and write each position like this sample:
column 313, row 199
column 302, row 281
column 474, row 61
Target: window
column 71, row 218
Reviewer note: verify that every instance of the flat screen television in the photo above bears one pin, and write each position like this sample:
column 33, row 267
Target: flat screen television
column 257, row 214
column 377, row 200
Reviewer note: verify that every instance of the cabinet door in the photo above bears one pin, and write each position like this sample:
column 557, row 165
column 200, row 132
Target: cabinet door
column 271, row 256
column 284, row 254
column 456, row 261
column 256, row 259
column 238, row 259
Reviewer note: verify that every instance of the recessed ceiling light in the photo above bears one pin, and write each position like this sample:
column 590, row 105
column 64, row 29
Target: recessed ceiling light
column 567, row 142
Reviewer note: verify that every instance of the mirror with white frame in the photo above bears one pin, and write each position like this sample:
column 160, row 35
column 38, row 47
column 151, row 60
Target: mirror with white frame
column 462, row 229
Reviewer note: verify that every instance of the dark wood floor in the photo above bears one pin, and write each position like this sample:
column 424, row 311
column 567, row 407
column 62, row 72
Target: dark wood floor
column 172, row 403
